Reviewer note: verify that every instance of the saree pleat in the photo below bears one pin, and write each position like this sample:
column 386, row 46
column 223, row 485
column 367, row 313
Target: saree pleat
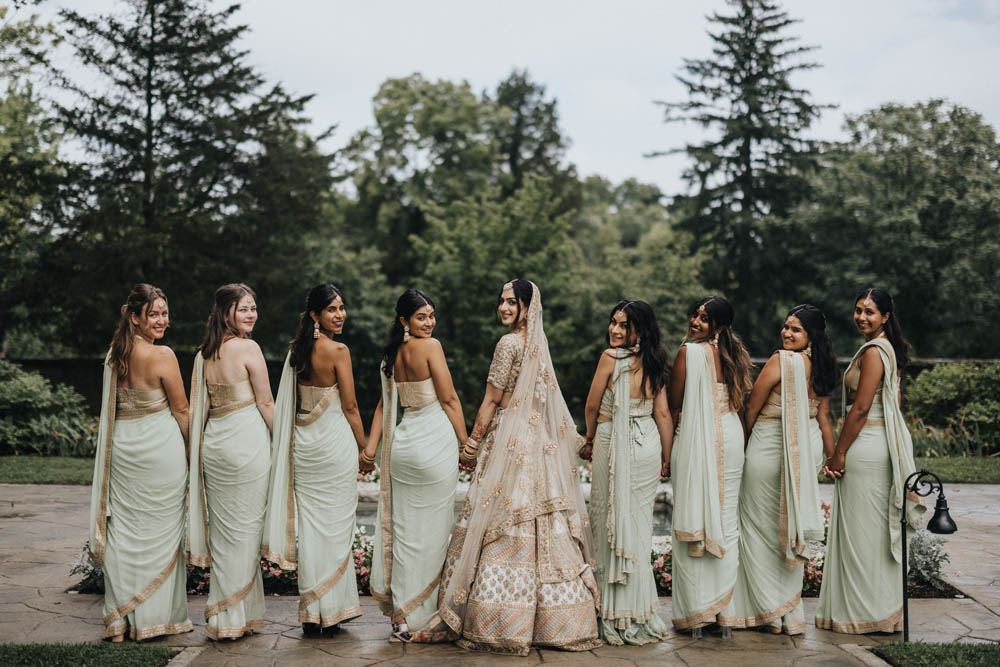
column 626, row 473
column 423, row 472
column 862, row 571
column 778, row 509
column 707, row 465
column 145, row 581
column 230, row 461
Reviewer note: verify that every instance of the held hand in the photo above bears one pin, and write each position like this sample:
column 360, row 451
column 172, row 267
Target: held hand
column 466, row 463
column 587, row 451
column 834, row 468
column 365, row 466
column 664, row 467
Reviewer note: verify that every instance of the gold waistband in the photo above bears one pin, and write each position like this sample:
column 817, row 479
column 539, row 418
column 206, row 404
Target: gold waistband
column 229, row 408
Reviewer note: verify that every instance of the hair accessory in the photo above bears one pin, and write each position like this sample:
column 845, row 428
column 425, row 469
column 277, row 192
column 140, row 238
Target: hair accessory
column 316, row 333
column 508, row 285
column 406, row 334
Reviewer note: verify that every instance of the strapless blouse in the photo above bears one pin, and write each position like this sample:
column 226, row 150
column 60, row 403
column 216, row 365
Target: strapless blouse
column 228, row 398
column 314, row 401
column 638, row 407
column 416, row 395
column 136, row 403
column 851, row 379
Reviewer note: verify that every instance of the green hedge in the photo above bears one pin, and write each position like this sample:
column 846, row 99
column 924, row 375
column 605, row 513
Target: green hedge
column 85, row 655
column 956, row 409
column 39, row 418
column 919, row 654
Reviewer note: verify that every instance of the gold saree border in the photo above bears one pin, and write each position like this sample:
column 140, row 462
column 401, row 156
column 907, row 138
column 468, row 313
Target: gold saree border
column 234, row 632
column 893, row 623
column 707, row 615
column 399, row 615
column 318, row 409
column 789, row 434
column 224, row 604
column 345, row 614
column 196, row 385
column 763, row 618
column 144, row 594
column 215, row 413
column 307, row 598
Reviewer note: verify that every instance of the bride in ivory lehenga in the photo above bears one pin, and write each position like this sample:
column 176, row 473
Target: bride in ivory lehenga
column 419, row 471
column 140, row 478
column 313, row 490
column 519, row 571
column 230, row 461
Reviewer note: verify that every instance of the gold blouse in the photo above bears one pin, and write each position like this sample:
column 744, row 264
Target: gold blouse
column 136, row 403
column 416, row 395
column 228, row 398
column 852, row 377
column 772, row 407
column 314, row 401
column 506, row 365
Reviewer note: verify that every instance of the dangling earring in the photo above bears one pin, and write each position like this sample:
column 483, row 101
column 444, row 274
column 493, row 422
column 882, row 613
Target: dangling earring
column 715, row 340
column 809, row 350
column 406, row 334
column 316, row 333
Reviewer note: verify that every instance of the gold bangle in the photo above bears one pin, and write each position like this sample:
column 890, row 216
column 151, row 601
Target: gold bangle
column 470, row 453
column 367, row 459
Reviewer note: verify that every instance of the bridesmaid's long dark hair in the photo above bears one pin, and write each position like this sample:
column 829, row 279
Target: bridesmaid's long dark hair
column 893, row 330
column 824, row 362
column 139, row 301
column 652, row 354
column 301, row 346
column 220, row 323
column 408, row 303
column 732, row 353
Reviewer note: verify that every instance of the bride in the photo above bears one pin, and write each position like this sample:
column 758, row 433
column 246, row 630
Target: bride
column 519, row 570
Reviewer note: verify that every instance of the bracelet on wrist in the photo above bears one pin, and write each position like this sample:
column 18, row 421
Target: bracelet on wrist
column 367, row 459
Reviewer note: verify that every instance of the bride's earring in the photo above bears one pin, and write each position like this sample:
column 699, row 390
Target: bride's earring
column 406, row 334
column 316, row 333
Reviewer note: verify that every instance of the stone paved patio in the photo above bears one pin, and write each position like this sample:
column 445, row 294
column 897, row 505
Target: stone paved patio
column 42, row 529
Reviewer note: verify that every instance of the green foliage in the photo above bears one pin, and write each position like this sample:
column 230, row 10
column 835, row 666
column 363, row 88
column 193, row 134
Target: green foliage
column 85, row 655
column 46, row 470
column 37, row 418
column 758, row 161
column 919, row 654
column 962, row 399
column 925, row 557
column 911, row 203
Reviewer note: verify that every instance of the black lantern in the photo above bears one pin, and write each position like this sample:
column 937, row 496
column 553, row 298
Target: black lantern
column 941, row 524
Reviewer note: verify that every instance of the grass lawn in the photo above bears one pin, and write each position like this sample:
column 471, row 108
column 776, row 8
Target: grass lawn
column 918, row 654
column 956, row 469
column 85, row 655
column 45, row 470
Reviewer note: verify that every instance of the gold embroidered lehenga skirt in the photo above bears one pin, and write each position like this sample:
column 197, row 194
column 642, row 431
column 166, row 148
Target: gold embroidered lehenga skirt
column 532, row 586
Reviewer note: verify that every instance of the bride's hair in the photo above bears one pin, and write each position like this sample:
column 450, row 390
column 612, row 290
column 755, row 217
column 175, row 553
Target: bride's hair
column 301, row 346
column 408, row 303
column 139, row 301
column 220, row 323
column 733, row 355
column 522, row 292
column 652, row 354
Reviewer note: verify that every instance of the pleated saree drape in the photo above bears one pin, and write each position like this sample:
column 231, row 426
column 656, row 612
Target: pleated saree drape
column 230, row 462
column 706, row 467
column 416, row 512
column 137, row 513
column 626, row 474
column 779, row 507
column 313, row 496
column 862, row 571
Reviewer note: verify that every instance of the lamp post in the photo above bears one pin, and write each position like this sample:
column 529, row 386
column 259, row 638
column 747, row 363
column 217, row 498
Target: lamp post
column 941, row 524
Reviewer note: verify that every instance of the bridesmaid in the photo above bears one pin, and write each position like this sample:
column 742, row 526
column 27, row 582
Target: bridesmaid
column 313, row 490
column 140, row 477
column 628, row 413
column 788, row 415
column 711, row 379
column 862, row 573
column 230, row 454
column 419, row 462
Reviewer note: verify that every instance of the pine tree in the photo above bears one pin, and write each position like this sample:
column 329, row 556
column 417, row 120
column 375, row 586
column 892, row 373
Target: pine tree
column 759, row 161
column 182, row 139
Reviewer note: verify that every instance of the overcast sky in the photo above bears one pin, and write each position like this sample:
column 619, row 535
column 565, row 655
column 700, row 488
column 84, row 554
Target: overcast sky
column 607, row 61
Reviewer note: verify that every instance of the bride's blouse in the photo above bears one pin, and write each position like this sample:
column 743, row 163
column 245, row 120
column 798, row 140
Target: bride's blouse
column 506, row 363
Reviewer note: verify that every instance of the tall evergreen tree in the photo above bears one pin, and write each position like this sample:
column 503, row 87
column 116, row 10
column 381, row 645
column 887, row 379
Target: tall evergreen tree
column 758, row 160
column 179, row 134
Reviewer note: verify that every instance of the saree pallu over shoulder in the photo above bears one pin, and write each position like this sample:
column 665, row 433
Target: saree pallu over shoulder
column 312, row 497
column 779, row 508
column 102, row 464
column 707, row 464
column 197, row 539
column 140, row 483
column 420, row 467
column 862, row 570
column 519, row 570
